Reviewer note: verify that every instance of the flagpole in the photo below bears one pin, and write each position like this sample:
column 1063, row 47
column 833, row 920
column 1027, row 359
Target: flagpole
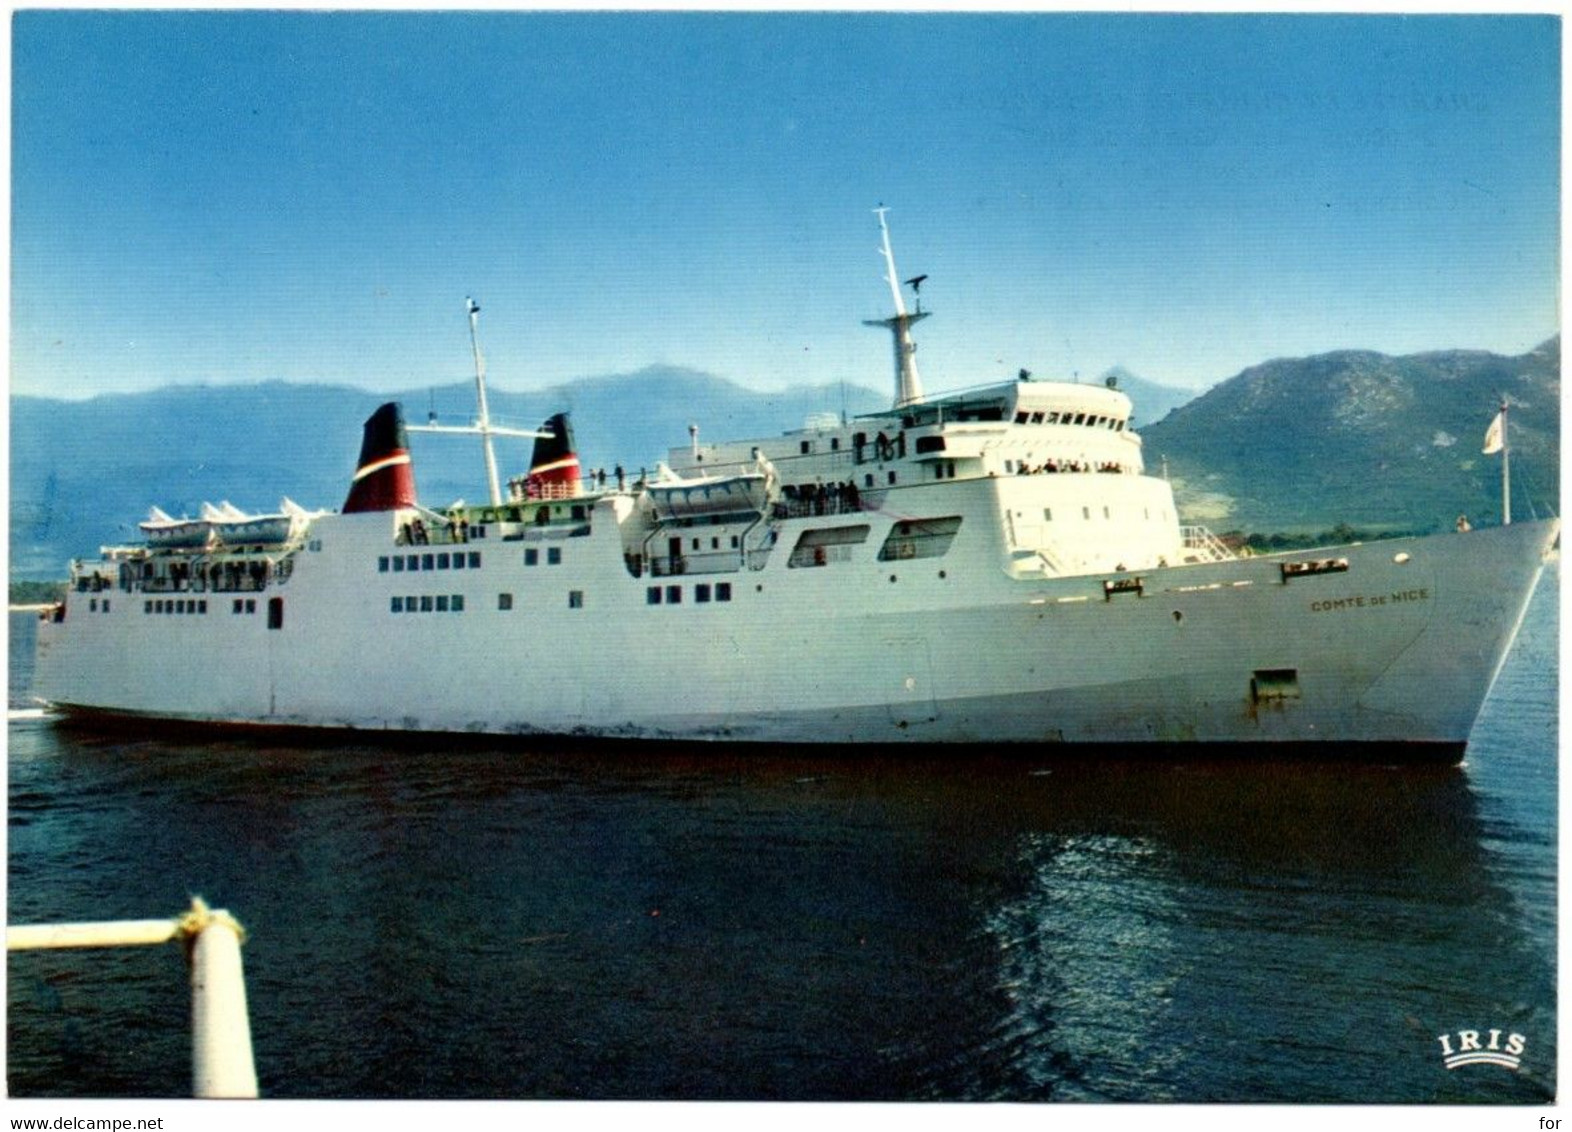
column 1506, row 469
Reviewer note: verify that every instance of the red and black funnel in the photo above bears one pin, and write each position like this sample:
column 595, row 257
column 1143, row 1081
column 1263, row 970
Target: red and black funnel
column 554, row 468
column 384, row 478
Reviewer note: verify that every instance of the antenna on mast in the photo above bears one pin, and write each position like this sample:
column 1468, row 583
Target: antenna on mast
column 908, row 383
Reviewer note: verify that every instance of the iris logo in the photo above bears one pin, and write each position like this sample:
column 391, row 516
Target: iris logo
column 1469, row 1050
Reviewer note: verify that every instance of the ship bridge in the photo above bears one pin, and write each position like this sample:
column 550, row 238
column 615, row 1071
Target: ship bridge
column 992, row 430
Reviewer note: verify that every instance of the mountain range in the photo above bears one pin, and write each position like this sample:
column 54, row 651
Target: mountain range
column 1366, row 439
column 1290, row 445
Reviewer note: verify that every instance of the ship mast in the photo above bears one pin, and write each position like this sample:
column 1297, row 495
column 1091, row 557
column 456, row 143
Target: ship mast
column 482, row 424
column 908, row 383
column 484, row 421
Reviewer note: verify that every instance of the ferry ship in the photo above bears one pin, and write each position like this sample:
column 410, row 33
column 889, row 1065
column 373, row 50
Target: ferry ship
column 992, row 566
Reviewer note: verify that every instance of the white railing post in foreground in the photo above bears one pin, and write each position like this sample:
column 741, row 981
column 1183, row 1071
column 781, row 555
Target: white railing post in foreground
column 221, row 1058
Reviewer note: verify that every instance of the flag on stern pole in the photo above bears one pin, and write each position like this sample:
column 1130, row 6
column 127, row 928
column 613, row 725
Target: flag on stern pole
column 1495, row 435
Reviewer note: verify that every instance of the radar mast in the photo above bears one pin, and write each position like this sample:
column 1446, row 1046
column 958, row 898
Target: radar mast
column 908, row 383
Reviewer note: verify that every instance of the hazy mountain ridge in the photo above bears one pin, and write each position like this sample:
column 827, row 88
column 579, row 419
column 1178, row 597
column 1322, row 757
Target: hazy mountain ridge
column 1291, row 444
column 1366, row 438
column 84, row 473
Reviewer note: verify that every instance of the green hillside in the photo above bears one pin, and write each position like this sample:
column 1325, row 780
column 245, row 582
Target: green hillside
column 1379, row 442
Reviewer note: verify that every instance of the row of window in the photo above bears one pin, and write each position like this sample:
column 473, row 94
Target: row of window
column 1086, row 513
column 912, row 538
column 459, row 560
column 715, row 543
column 703, row 592
column 1090, row 420
column 442, row 560
column 428, row 603
column 181, row 606
column 454, row 603
column 191, row 605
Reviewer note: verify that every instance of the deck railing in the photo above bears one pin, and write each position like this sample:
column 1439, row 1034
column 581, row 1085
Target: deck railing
column 221, row 1060
column 1205, row 546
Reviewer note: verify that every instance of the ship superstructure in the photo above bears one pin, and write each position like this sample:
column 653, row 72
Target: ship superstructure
column 986, row 566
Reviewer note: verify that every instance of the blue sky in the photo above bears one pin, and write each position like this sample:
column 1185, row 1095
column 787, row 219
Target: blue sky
column 217, row 197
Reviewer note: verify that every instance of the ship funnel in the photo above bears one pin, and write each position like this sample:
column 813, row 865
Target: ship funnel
column 554, row 467
column 384, row 478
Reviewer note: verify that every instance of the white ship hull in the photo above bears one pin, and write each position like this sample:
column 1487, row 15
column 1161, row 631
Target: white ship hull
column 1399, row 650
column 990, row 566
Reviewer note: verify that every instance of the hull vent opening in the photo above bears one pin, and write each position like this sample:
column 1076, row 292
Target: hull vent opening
column 1272, row 685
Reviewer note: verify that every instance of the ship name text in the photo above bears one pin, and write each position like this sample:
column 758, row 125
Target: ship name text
column 1369, row 601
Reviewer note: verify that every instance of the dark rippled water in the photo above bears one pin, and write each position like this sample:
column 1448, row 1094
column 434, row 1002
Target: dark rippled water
column 545, row 923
